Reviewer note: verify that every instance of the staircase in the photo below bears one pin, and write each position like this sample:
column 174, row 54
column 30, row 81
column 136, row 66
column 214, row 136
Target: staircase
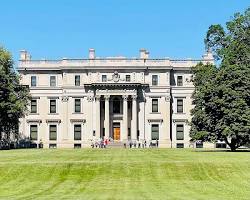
column 115, row 144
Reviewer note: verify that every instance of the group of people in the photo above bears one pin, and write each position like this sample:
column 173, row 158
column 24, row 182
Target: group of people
column 103, row 143
column 141, row 144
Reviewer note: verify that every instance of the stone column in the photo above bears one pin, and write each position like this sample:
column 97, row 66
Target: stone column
column 125, row 118
column 106, row 116
column 142, row 118
column 65, row 126
column 164, row 139
column 134, row 118
column 98, row 132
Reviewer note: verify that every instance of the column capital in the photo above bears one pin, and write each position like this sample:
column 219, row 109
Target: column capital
column 90, row 98
column 125, row 97
column 98, row 97
column 167, row 98
column 106, row 97
column 65, row 98
column 134, row 97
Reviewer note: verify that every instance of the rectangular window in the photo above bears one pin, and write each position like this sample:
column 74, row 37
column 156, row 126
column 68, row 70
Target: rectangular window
column 104, row 78
column 33, row 132
column 179, row 81
column 128, row 78
column 52, row 81
column 155, row 131
column 52, row 132
column 33, row 81
column 77, row 80
column 179, row 105
column 77, row 105
column 77, row 146
column 33, row 106
column 154, row 79
column 154, row 105
column 77, row 132
column 179, row 145
column 52, row 146
column 179, row 132
column 52, row 106
column 199, row 144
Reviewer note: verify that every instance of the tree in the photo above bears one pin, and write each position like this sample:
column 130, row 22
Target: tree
column 222, row 94
column 14, row 98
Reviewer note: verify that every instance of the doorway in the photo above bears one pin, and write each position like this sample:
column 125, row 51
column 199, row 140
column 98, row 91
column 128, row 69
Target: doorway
column 116, row 130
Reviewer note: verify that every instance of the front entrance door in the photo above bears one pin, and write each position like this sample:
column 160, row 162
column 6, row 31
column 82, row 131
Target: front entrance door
column 116, row 133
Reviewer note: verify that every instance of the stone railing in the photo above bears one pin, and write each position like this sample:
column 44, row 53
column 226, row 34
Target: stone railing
column 108, row 62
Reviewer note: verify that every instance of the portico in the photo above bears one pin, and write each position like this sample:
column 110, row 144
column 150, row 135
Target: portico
column 116, row 111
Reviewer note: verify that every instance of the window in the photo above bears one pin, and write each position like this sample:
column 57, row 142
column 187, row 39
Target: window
column 77, row 132
column 155, row 131
column 52, row 106
column 77, row 146
column 52, row 146
column 179, row 81
column 77, row 105
column 33, row 132
column 77, row 80
column 154, row 79
column 179, row 132
column 220, row 145
column 199, row 144
column 179, row 105
column 128, row 79
column 116, row 106
column 33, row 106
column 53, row 81
column 104, row 78
column 154, row 105
column 33, row 81
column 52, row 132
column 179, row 145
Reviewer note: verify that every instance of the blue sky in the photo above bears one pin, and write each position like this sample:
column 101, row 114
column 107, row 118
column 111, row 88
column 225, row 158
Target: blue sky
column 68, row 28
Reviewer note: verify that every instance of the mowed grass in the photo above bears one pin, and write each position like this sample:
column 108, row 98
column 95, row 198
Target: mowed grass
column 124, row 174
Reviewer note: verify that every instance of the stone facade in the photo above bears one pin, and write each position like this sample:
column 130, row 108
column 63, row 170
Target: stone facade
column 77, row 101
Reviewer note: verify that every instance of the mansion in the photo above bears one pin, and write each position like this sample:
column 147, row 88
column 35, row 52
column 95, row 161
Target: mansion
column 78, row 101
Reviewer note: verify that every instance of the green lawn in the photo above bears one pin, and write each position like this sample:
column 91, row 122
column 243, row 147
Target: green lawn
column 124, row 174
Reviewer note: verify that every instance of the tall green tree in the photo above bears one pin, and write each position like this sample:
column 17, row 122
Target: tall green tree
column 222, row 93
column 14, row 98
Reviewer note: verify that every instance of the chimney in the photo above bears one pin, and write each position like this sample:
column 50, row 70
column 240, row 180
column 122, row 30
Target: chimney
column 24, row 55
column 91, row 53
column 144, row 54
column 208, row 56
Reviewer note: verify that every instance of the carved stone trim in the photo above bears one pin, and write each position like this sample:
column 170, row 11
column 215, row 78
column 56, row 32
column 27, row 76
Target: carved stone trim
column 34, row 121
column 53, row 121
column 180, row 120
column 78, row 120
column 155, row 120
